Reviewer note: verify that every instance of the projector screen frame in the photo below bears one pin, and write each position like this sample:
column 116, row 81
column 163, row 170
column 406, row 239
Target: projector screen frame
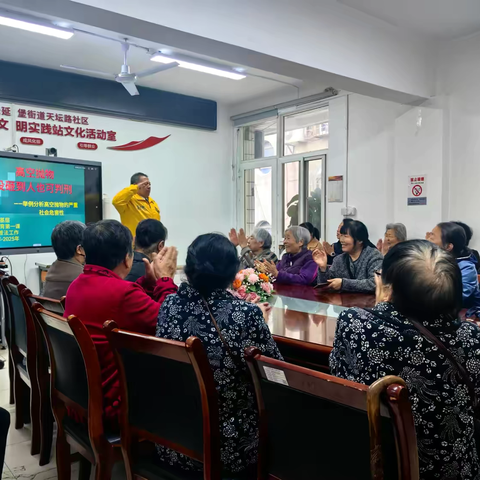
column 45, row 158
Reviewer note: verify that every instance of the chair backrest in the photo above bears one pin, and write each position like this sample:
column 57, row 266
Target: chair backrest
column 50, row 304
column 339, row 429
column 5, row 279
column 22, row 329
column 75, row 370
column 304, row 354
column 168, row 396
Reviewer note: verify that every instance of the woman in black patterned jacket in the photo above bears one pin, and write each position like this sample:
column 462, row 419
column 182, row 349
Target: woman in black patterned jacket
column 211, row 265
column 419, row 283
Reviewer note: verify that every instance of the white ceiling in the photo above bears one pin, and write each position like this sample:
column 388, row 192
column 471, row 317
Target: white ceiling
column 435, row 19
column 86, row 51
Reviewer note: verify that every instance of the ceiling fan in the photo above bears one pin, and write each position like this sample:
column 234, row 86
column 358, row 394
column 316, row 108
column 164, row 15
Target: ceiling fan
column 125, row 77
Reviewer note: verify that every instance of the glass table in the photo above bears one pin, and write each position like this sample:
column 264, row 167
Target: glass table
column 310, row 315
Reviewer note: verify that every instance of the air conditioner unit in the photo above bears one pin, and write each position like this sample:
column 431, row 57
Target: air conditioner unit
column 309, row 132
column 295, row 136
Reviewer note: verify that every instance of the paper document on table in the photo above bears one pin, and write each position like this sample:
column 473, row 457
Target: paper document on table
column 275, row 375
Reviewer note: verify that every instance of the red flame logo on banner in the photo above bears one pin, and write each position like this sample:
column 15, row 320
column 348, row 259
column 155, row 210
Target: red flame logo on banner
column 139, row 145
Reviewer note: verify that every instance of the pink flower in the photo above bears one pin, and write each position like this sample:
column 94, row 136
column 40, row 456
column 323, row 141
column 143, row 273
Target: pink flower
column 247, row 271
column 267, row 288
column 252, row 297
column 253, row 278
column 242, row 291
column 240, row 276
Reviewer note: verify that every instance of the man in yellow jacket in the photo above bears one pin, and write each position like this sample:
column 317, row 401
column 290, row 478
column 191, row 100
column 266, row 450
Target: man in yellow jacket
column 134, row 203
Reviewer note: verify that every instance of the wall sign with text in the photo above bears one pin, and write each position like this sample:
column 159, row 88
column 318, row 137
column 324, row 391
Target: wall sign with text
column 78, row 127
column 417, row 190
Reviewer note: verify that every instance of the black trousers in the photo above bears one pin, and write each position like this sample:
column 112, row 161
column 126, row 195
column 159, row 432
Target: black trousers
column 4, row 425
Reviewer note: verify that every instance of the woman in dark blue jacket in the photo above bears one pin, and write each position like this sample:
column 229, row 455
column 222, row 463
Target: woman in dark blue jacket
column 451, row 237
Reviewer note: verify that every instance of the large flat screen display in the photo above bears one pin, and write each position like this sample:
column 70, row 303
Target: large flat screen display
column 37, row 193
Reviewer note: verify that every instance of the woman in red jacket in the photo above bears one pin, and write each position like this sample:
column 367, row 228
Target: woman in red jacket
column 100, row 293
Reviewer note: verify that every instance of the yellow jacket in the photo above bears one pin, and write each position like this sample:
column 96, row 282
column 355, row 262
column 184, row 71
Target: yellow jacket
column 133, row 208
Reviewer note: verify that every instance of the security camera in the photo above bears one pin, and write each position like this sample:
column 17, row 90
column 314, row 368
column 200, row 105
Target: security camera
column 51, row 152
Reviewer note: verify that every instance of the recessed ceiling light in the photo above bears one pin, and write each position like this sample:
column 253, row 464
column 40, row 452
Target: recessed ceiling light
column 36, row 27
column 199, row 68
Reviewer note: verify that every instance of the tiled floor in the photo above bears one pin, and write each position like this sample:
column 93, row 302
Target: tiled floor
column 19, row 464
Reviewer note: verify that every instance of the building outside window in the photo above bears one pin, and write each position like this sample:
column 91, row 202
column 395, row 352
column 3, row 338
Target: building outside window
column 281, row 164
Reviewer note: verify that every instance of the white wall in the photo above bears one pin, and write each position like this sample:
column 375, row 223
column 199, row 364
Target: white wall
column 385, row 145
column 459, row 81
column 191, row 176
column 371, row 161
column 419, row 151
column 336, row 160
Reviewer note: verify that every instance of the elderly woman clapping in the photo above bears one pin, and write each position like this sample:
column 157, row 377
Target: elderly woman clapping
column 297, row 265
column 255, row 248
column 394, row 233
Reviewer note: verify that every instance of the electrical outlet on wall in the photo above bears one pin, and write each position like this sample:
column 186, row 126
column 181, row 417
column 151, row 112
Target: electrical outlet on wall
column 349, row 211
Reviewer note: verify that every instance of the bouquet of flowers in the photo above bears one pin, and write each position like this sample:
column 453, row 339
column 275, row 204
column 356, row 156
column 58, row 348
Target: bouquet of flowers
column 252, row 285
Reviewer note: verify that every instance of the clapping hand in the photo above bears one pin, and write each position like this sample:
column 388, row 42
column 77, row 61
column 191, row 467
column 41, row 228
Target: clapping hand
column 382, row 246
column 320, row 258
column 271, row 268
column 328, row 248
column 242, row 238
column 233, row 237
column 164, row 264
column 260, row 266
column 238, row 238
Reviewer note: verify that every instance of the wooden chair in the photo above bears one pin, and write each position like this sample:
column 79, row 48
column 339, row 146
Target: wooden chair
column 313, row 425
column 23, row 354
column 305, row 354
column 50, row 304
column 43, row 373
column 168, row 397
column 76, row 385
column 8, row 321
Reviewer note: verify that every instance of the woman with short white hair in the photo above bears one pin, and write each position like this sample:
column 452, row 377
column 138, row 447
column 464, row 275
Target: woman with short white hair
column 394, row 233
column 297, row 265
column 255, row 248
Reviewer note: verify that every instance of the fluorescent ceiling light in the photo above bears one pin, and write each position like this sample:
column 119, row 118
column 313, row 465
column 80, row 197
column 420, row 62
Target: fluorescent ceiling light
column 198, row 68
column 37, row 28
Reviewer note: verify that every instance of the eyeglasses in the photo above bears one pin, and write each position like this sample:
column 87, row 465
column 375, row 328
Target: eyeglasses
column 378, row 273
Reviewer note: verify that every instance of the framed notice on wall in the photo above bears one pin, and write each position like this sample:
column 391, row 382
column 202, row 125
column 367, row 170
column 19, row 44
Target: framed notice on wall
column 335, row 189
column 417, row 190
